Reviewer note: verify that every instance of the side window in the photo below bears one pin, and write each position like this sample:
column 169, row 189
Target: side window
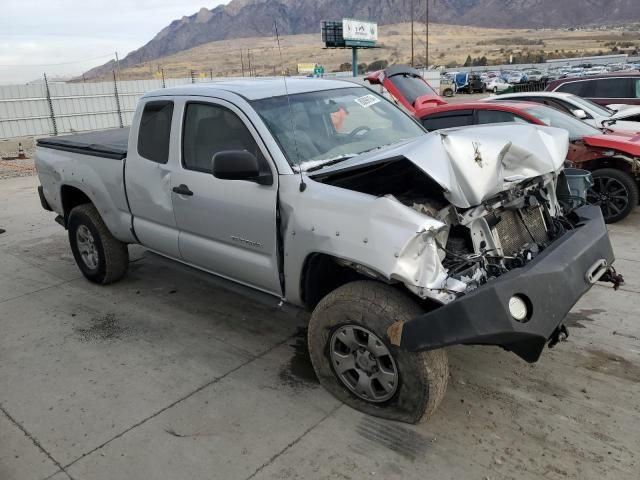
column 637, row 88
column 494, row 116
column 612, row 88
column 209, row 129
column 577, row 88
column 461, row 118
column 155, row 131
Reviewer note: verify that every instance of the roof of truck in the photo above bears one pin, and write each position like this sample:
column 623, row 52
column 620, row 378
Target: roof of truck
column 256, row 88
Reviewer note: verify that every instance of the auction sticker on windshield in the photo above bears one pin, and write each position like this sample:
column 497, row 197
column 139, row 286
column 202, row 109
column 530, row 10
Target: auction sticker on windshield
column 367, row 100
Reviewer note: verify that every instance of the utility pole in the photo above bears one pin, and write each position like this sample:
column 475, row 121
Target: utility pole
column 117, row 64
column 426, row 48
column 249, row 61
column 242, row 62
column 412, row 58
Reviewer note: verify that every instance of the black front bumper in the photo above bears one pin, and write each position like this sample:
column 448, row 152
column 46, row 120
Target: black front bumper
column 552, row 283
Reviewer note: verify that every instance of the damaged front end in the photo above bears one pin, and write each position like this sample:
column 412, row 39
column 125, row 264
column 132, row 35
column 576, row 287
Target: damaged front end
column 500, row 255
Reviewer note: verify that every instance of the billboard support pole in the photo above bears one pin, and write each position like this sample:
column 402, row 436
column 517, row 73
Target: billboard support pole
column 354, row 61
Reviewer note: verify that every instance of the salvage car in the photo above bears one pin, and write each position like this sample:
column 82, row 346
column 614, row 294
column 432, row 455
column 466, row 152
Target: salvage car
column 325, row 195
column 612, row 157
column 610, row 89
column 627, row 120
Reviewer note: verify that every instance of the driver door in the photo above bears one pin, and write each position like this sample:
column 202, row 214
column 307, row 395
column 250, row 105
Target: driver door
column 227, row 227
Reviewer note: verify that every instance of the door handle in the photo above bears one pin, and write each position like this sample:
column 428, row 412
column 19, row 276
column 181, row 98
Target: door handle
column 183, row 190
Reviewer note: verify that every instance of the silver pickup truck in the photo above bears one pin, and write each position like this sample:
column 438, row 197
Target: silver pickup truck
column 327, row 196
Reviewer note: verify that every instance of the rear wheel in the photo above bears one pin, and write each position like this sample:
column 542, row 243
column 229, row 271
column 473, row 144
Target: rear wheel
column 354, row 360
column 615, row 192
column 100, row 256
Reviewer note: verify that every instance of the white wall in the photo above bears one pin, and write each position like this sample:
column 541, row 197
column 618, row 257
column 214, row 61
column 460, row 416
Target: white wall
column 26, row 111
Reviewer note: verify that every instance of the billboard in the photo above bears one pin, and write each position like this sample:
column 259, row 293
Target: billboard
column 306, row 68
column 358, row 30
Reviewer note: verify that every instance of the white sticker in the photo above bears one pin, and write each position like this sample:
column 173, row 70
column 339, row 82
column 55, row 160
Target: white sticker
column 367, row 101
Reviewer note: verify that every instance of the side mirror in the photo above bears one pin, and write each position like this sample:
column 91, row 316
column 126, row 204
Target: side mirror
column 579, row 113
column 239, row 165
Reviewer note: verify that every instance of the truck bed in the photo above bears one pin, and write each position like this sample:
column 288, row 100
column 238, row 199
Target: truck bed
column 105, row 143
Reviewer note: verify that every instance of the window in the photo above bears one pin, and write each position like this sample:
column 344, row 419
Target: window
column 324, row 127
column 209, row 129
column 460, row 118
column 611, row 88
column 411, row 87
column 155, row 131
column 495, row 116
column 637, row 89
column 577, row 88
column 554, row 118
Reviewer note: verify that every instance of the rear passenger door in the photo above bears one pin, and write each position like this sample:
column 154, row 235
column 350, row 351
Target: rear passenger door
column 148, row 177
column 227, row 227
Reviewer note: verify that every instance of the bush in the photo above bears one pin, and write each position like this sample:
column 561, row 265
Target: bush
column 377, row 65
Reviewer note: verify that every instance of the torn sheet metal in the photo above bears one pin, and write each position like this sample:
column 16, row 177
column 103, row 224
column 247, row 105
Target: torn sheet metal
column 476, row 163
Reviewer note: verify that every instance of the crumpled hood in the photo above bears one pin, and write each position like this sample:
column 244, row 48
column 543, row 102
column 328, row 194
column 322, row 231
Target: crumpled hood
column 630, row 111
column 473, row 164
column 624, row 142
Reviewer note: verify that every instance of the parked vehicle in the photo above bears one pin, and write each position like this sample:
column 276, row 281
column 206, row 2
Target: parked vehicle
column 517, row 77
column 325, row 195
column 469, row 83
column 614, row 88
column 534, row 75
column 448, row 86
column 627, row 120
column 613, row 158
column 497, row 85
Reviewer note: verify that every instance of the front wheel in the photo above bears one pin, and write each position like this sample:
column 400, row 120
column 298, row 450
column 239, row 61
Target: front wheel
column 100, row 256
column 615, row 192
column 355, row 361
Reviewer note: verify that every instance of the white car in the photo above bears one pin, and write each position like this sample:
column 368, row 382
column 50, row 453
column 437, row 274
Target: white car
column 626, row 120
column 497, row 85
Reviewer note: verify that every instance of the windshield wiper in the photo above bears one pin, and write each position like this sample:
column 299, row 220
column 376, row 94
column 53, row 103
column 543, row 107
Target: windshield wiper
column 327, row 163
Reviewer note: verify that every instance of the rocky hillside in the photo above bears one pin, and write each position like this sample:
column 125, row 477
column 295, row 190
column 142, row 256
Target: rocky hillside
column 251, row 18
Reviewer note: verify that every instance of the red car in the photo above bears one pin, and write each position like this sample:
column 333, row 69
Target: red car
column 613, row 158
column 609, row 89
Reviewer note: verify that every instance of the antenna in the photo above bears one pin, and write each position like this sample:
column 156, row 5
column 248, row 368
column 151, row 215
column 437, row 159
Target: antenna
column 303, row 186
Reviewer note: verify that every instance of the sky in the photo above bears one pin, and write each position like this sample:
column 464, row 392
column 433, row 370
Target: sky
column 67, row 37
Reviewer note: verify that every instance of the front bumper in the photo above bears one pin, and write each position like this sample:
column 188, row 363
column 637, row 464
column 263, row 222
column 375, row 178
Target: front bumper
column 552, row 282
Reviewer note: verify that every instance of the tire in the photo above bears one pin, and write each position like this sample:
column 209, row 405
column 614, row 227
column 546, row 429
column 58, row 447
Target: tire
column 101, row 258
column 495, row 90
column 615, row 192
column 448, row 93
column 421, row 377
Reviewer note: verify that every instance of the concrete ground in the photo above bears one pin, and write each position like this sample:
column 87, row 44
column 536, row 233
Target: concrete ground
column 170, row 374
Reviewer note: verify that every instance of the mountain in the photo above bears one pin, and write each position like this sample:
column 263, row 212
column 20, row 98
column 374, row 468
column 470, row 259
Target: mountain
column 251, row 18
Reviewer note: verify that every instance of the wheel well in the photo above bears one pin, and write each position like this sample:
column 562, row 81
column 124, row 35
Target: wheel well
column 322, row 274
column 613, row 162
column 71, row 197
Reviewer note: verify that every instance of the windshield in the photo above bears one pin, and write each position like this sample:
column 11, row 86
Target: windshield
column 333, row 125
column 555, row 118
column 591, row 106
column 411, row 87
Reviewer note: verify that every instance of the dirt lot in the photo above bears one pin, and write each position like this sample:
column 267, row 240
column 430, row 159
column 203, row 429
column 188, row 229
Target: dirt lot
column 172, row 374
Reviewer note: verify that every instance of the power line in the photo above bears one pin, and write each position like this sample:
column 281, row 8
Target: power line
column 56, row 64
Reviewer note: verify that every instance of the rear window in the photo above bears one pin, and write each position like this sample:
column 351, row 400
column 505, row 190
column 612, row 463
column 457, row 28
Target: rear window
column 411, row 87
column 577, row 88
column 611, row 88
column 155, row 131
column 461, row 118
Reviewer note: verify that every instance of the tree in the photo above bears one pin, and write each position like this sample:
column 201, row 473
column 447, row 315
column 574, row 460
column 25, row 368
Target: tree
column 468, row 61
